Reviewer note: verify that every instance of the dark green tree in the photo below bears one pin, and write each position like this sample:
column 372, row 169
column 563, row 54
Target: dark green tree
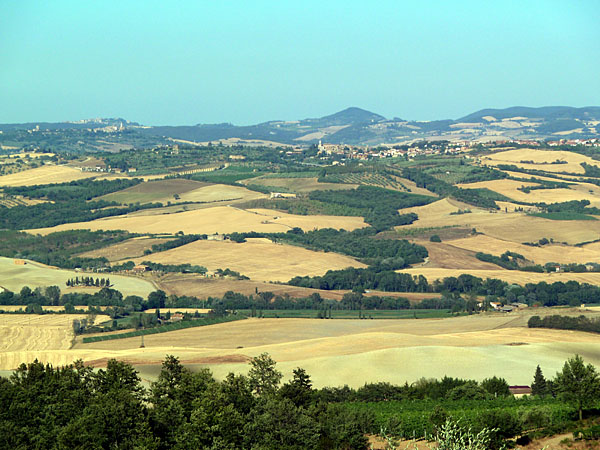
column 498, row 387
column 539, row 385
column 299, row 389
column 264, row 377
column 578, row 384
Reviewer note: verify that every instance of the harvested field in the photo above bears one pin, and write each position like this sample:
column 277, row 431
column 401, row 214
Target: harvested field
column 559, row 253
column 46, row 174
column 542, row 160
column 180, row 190
column 13, row 277
column 153, row 191
column 509, row 188
column 510, row 276
column 445, row 256
column 513, row 226
column 201, row 287
column 23, row 336
column 467, row 347
column 259, row 259
column 298, row 185
column 221, row 193
column 218, row 219
column 131, row 248
column 18, row 200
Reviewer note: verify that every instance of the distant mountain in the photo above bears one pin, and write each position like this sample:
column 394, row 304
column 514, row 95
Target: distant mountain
column 354, row 126
column 349, row 116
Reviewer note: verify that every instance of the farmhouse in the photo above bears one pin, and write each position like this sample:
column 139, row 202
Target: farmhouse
column 140, row 268
column 519, row 391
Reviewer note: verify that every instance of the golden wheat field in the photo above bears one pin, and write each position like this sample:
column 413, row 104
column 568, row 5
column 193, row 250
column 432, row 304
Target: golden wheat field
column 542, row 160
column 510, row 276
column 511, row 226
column 25, row 336
column 540, row 255
column 218, row 219
column 443, row 255
column 13, row 277
column 509, row 188
column 259, row 259
column 46, row 174
column 131, row 248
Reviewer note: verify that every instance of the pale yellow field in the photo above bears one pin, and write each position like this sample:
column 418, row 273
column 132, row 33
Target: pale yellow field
column 334, row 352
column 46, row 174
column 354, row 352
column 13, row 277
column 511, row 226
column 220, row 193
column 219, row 219
column 164, row 191
column 542, row 160
column 540, row 255
column 259, row 259
column 130, row 248
column 510, row 276
column 22, row 336
column 509, row 188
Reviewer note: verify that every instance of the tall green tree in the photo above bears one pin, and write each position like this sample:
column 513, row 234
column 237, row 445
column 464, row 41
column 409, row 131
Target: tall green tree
column 539, row 385
column 264, row 377
column 299, row 389
column 578, row 383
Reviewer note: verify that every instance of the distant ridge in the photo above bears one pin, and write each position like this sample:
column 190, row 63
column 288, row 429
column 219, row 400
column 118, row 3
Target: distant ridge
column 544, row 112
column 352, row 126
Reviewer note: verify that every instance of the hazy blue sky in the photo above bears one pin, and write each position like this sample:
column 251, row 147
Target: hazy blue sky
column 187, row 62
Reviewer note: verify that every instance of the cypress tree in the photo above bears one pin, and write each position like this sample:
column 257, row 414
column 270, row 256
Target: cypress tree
column 539, row 386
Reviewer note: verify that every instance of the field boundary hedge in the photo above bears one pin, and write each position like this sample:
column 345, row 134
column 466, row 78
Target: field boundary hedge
column 164, row 328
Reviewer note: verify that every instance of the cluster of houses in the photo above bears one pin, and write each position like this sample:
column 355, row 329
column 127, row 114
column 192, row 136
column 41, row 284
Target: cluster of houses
column 392, row 151
column 497, row 306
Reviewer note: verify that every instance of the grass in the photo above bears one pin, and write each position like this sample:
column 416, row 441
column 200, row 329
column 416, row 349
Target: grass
column 353, row 314
column 164, row 328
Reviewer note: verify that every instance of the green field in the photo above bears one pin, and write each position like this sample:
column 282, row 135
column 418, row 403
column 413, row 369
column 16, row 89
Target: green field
column 13, row 277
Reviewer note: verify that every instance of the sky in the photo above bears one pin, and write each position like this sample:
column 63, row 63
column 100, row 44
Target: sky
column 245, row 62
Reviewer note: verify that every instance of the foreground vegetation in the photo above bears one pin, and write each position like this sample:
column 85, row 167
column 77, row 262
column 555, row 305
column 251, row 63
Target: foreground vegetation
column 110, row 409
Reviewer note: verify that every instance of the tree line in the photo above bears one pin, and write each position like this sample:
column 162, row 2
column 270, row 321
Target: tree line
column 580, row 323
column 476, row 197
column 373, row 278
